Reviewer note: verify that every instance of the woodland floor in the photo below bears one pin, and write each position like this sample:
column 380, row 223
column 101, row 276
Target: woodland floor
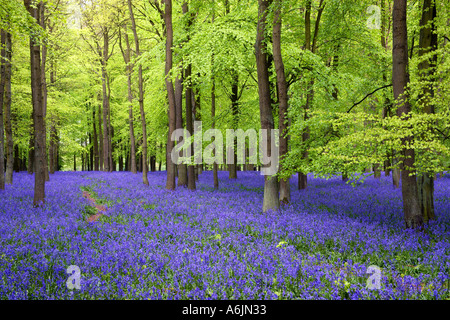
column 136, row 242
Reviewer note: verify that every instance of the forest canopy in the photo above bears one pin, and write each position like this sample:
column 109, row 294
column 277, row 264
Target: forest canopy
column 353, row 87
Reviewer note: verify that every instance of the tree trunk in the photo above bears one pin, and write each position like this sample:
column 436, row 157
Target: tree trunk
column 400, row 79
column 303, row 177
column 271, row 197
column 141, row 94
column 387, row 103
column 100, row 134
column 335, row 95
column 112, row 164
column 170, row 184
column 30, row 164
column 189, row 112
column 7, row 114
column 44, row 87
column 17, row 159
column 213, row 111
column 96, row 151
column 120, row 163
column 232, row 167
column 285, row 190
column 377, row 170
column 190, row 129
column 129, row 69
column 182, row 168
column 2, row 91
column 38, row 110
column 104, row 58
column 91, row 154
column 51, row 150
column 56, row 160
column 196, row 117
column 428, row 43
column 396, row 176
column 153, row 163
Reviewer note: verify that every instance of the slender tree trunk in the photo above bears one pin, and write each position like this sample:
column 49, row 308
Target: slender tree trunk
column 189, row 110
column 44, row 86
column 190, row 129
column 51, row 149
column 82, row 159
column 2, row 91
column 39, row 127
column 100, row 135
column 55, row 138
column 30, row 164
column 387, row 103
column 104, row 58
column 197, row 117
column 131, row 125
column 271, row 197
column 213, row 109
column 95, row 138
column 400, row 79
column 170, row 184
column 129, row 69
column 182, row 168
column 393, row 160
column 110, row 130
column 7, row 114
column 232, row 167
column 311, row 45
column 335, row 95
column 53, row 143
column 17, row 159
column 112, row 163
column 213, row 126
column 152, row 163
column 91, row 153
column 120, row 163
column 427, row 68
column 127, row 160
column 285, row 190
column 141, row 95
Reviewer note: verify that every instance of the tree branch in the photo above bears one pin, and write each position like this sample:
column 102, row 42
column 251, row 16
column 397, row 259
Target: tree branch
column 368, row 95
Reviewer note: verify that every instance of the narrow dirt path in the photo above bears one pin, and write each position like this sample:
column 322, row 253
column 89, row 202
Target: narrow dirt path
column 99, row 208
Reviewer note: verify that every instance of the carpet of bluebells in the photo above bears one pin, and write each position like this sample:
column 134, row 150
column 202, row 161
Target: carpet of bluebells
column 217, row 244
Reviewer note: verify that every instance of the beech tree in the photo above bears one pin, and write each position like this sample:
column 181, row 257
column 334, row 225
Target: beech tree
column 2, row 90
column 285, row 189
column 5, row 101
column 126, row 53
column 38, row 110
column 271, row 196
column 170, row 184
column 400, row 79
column 428, row 43
column 189, row 106
column 141, row 97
